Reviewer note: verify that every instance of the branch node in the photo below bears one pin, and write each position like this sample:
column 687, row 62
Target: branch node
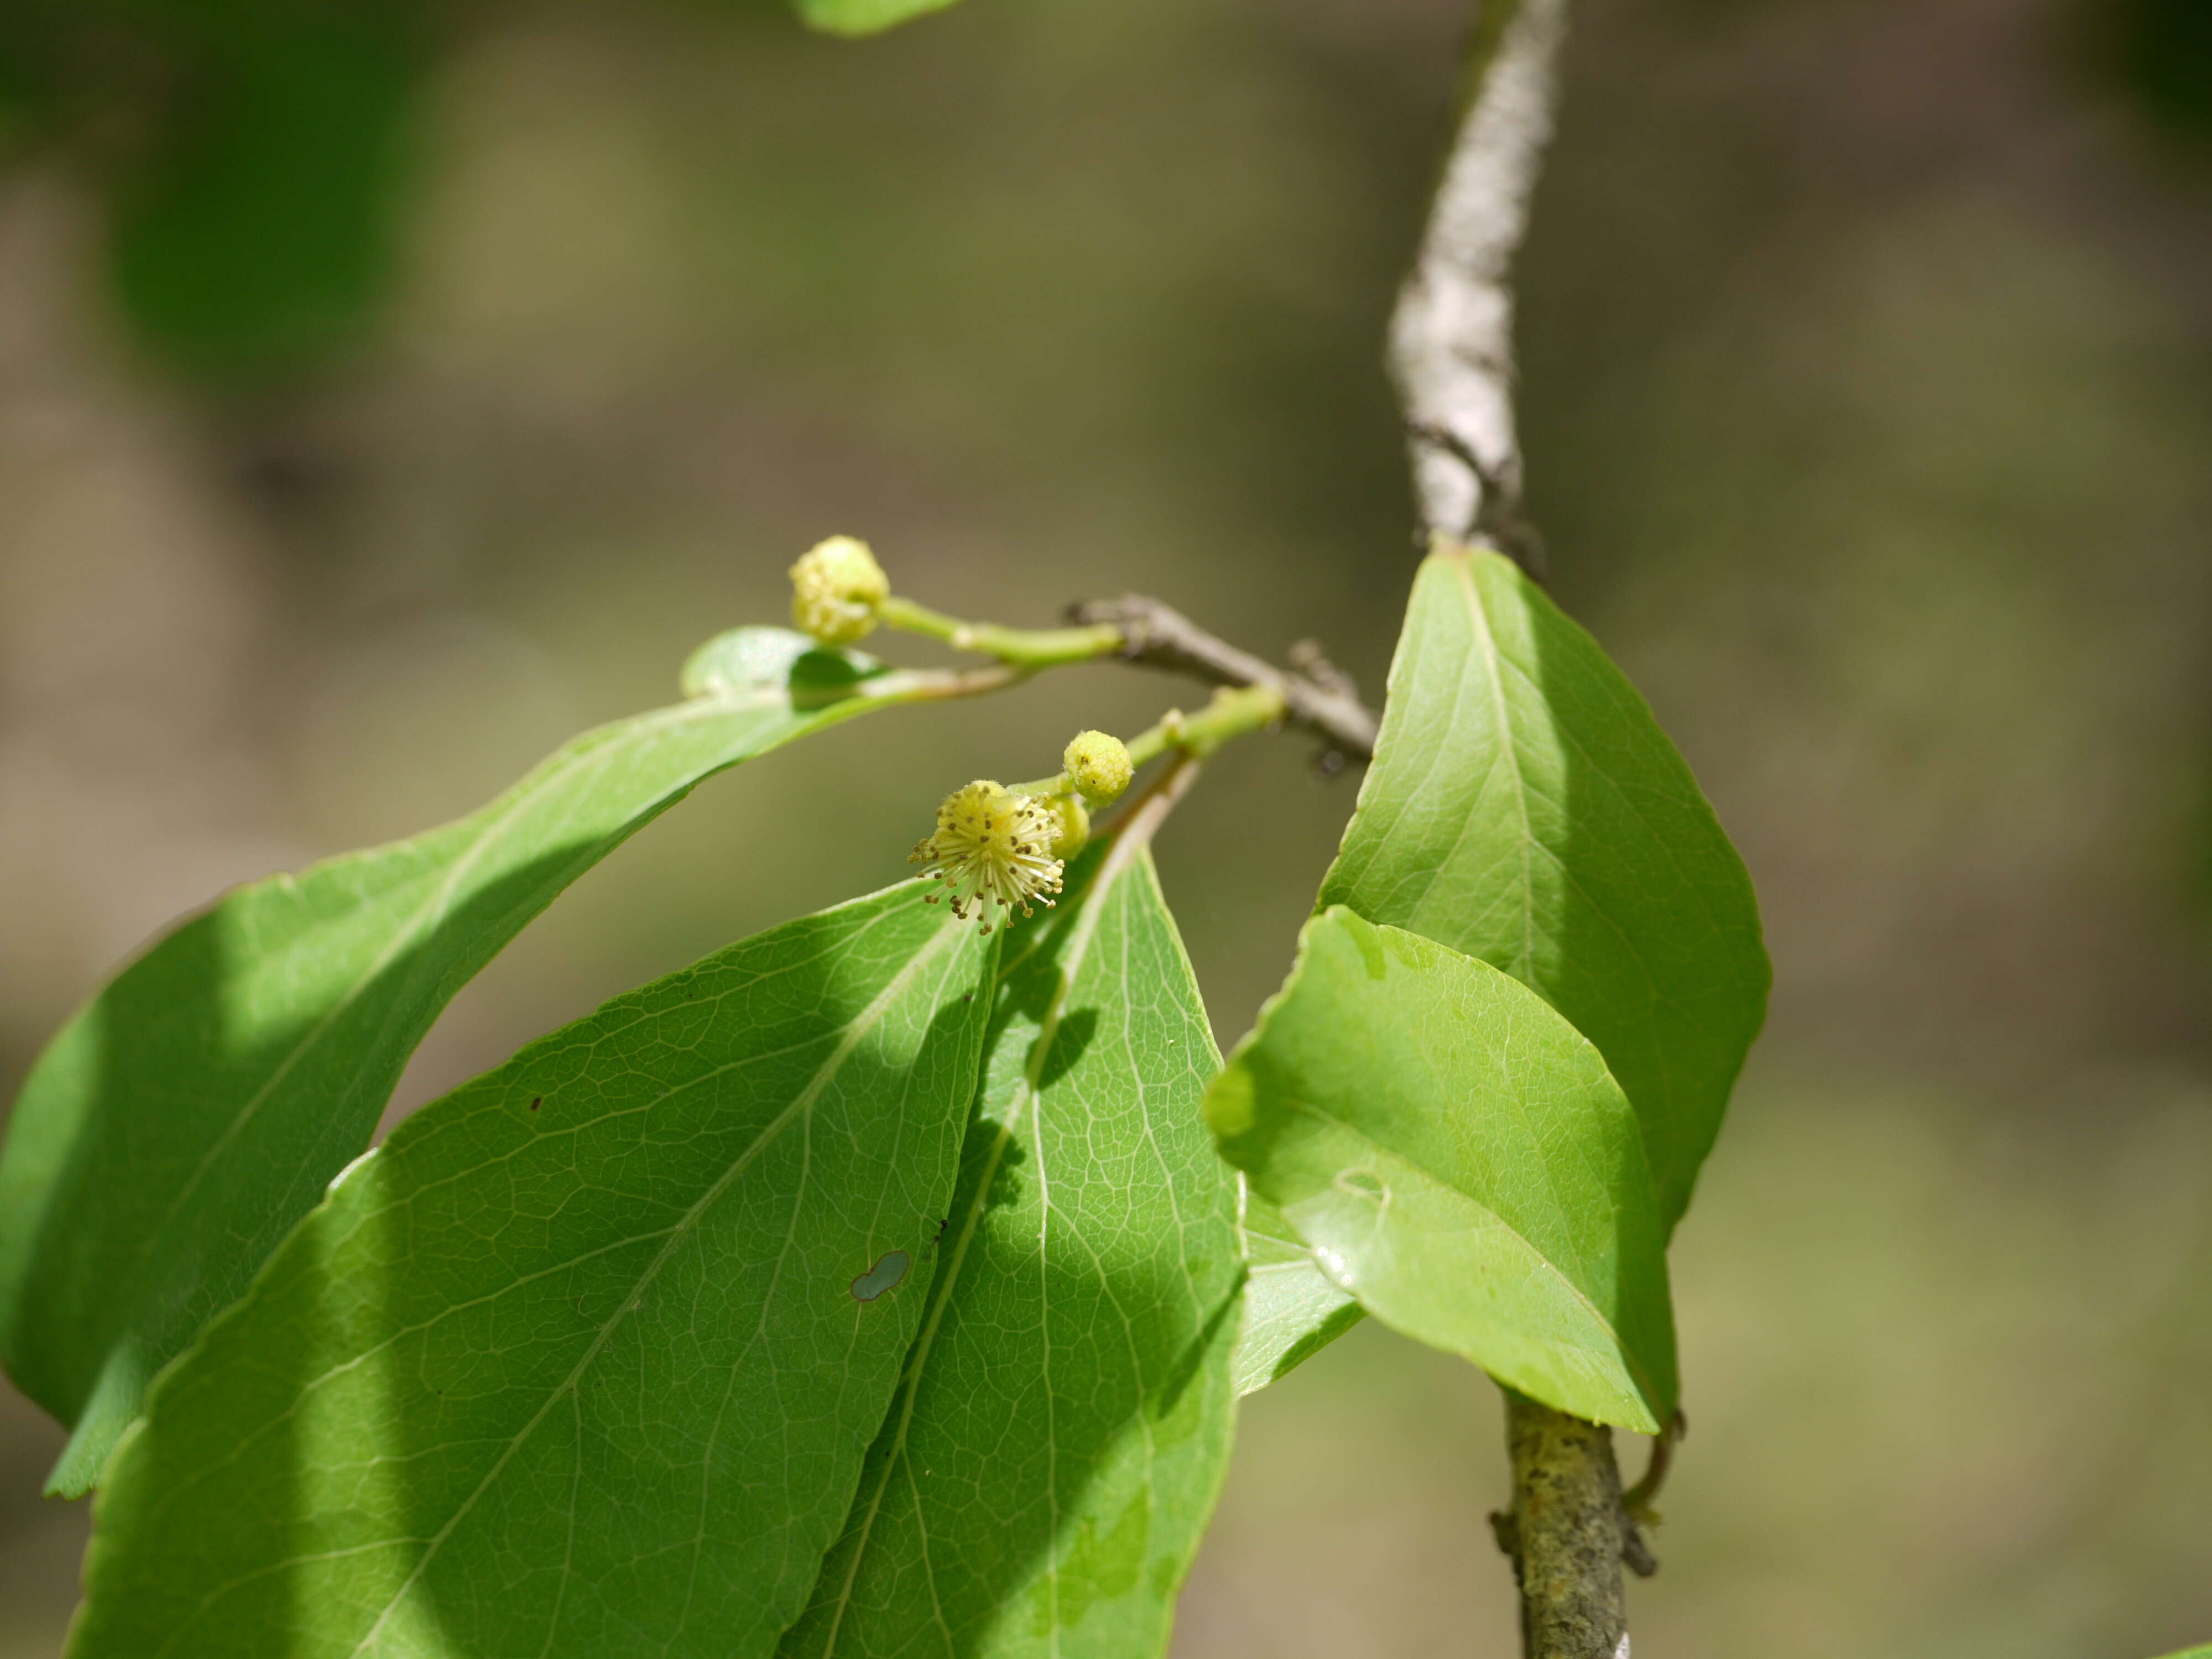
column 1507, row 1532
column 1157, row 635
column 1309, row 658
column 1635, row 1552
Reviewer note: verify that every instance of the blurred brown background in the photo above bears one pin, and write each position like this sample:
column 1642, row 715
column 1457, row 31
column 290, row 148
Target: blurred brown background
column 1867, row 396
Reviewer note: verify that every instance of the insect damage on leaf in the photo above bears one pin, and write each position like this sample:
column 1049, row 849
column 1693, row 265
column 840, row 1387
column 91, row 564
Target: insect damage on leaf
column 887, row 1275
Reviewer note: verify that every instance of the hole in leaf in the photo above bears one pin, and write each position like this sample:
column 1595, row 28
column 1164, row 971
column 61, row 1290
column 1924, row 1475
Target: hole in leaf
column 885, row 1275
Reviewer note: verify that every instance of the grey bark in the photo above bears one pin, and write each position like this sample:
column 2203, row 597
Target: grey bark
column 1451, row 335
column 1567, row 1533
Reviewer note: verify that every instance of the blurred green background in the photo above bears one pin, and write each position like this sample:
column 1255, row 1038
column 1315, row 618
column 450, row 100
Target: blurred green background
column 1867, row 365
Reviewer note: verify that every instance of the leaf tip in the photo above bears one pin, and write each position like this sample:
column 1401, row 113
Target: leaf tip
column 853, row 20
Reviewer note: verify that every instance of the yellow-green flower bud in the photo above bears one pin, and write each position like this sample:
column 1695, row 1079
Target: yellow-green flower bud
column 835, row 590
column 1071, row 825
column 1098, row 766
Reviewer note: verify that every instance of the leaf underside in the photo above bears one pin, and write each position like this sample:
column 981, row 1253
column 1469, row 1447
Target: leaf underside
column 1525, row 808
column 585, row 1359
column 176, row 1130
column 1292, row 1310
column 1457, row 1157
column 1058, row 1441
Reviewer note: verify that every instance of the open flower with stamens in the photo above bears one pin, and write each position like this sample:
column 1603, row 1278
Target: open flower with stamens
column 993, row 849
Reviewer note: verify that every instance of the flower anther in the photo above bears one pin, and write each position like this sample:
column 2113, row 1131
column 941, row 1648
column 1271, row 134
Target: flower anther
column 993, row 851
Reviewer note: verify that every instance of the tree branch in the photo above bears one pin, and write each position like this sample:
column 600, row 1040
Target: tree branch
column 1318, row 697
column 1451, row 358
column 1451, row 336
column 1567, row 1533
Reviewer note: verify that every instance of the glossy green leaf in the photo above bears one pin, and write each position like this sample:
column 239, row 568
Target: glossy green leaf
column 863, row 16
column 2204, row 1652
column 1292, row 1310
column 180, row 1125
column 584, row 1359
column 1060, row 1437
column 1458, row 1157
column 1525, row 808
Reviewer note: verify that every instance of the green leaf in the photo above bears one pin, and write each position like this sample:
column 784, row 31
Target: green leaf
column 180, row 1125
column 1458, row 1157
column 863, row 16
column 1291, row 1309
column 1057, row 1443
column 2204, row 1652
column 1525, row 808
column 583, row 1360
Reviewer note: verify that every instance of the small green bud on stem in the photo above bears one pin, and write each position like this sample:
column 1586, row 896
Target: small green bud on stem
column 1001, row 848
column 837, row 590
column 1099, row 767
column 1072, row 825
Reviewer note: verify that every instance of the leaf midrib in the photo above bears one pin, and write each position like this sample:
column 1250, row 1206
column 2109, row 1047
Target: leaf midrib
column 1509, row 754
column 1116, row 863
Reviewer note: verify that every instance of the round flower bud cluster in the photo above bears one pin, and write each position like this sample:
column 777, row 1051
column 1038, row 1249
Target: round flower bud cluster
column 1098, row 766
column 994, row 849
column 837, row 588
